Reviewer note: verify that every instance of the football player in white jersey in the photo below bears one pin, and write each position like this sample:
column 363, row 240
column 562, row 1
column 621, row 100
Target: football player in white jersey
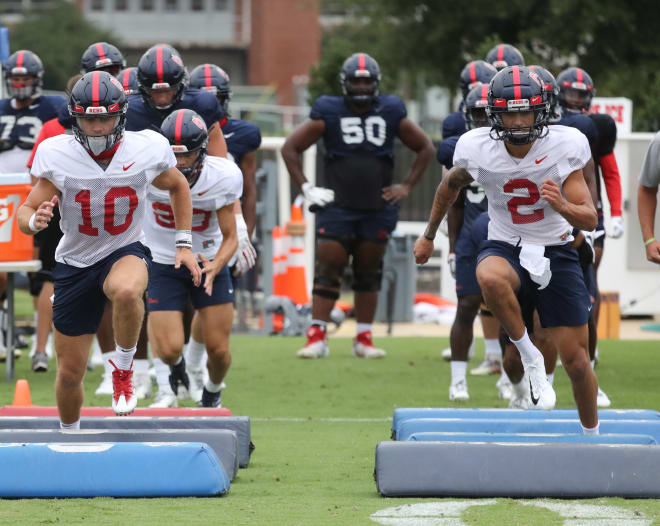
column 215, row 184
column 532, row 176
column 99, row 176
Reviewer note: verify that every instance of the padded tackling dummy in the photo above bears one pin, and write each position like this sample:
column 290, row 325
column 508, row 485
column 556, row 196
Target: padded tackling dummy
column 223, row 442
column 545, row 438
column 36, row 410
column 406, row 413
column 460, row 469
column 239, row 424
column 519, row 425
column 128, row 469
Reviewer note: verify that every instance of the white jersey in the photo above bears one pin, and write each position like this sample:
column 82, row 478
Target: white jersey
column 102, row 210
column 518, row 214
column 220, row 184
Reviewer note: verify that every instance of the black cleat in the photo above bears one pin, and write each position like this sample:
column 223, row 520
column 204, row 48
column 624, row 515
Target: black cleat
column 178, row 375
column 210, row 399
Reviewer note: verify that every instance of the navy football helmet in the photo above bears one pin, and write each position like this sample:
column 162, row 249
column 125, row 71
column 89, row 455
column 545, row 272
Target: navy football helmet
column 104, row 57
column 357, row 67
column 475, row 72
column 128, row 79
column 187, row 132
column 576, row 89
column 210, row 77
column 503, row 55
column 517, row 89
column 20, row 64
column 475, row 105
column 161, row 69
column 98, row 94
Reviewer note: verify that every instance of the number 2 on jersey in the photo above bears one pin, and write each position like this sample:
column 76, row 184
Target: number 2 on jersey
column 84, row 198
column 513, row 203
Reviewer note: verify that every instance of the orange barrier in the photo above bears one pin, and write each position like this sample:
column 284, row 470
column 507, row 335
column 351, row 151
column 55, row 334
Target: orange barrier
column 14, row 244
column 296, row 280
column 22, row 394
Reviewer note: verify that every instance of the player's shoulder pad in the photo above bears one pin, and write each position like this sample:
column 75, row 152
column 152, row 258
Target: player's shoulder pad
column 326, row 105
column 453, row 125
column 226, row 172
column 445, row 153
column 389, row 101
column 249, row 132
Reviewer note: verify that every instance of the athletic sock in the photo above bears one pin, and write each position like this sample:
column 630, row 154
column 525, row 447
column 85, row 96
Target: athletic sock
column 107, row 366
column 124, row 357
column 593, row 363
column 211, row 387
column 70, row 427
column 162, row 375
column 141, row 366
column 591, row 430
column 194, row 353
column 528, row 351
column 519, row 389
column 363, row 327
column 458, row 370
column 493, row 349
column 320, row 323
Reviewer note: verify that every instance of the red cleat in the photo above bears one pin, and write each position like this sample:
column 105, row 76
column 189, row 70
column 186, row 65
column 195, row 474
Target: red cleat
column 123, row 397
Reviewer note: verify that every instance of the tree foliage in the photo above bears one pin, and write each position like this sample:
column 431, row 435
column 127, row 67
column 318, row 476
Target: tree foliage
column 59, row 35
column 432, row 40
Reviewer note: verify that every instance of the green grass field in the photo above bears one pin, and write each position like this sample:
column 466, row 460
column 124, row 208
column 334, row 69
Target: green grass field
column 316, row 424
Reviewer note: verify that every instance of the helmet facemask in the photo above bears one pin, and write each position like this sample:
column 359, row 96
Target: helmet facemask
column 519, row 135
column 20, row 90
column 360, row 93
column 98, row 144
column 192, row 172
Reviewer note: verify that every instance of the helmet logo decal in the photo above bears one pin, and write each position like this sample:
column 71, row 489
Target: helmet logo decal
column 177, row 59
column 116, row 82
column 199, row 123
column 179, row 148
column 518, row 104
column 96, row 109
column 160, row 85
column 535, row 78
column 103, row 62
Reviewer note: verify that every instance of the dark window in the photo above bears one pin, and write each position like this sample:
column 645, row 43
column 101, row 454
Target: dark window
column 97, row 5
column 121, row 5
column 220, row 5
column 197, row 5
column 147, row 5
column 171, row 5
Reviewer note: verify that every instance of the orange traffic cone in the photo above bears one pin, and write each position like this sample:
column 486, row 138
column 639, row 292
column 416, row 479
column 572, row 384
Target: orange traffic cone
column 22, row 393
column 296, row 278
column 279, row 272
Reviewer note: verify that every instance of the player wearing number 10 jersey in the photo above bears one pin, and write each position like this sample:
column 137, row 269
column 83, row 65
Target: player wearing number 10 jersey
column 532, row 176
column 358, row 210
column 99, row 176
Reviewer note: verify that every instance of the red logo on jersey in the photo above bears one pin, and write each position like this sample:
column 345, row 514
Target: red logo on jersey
column 127, row 167
column 539, row 161
column 202, row 193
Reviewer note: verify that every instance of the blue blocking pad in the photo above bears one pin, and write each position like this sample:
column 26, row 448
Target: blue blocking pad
column 406, row 413
column 529, row 438
column 478, row 425
column 128, row 469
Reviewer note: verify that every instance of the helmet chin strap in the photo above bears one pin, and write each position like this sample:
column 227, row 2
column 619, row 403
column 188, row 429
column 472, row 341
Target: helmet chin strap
column 107, row 154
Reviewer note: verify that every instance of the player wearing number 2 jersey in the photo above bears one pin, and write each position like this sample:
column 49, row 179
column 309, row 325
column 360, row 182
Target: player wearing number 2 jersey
column 99, row 177
column 359, row 207
column 532, row 176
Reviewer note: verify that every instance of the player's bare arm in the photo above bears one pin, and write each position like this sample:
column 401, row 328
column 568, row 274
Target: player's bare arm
column 249, row 199
column 302, row 138
column 227, row 224
column 647, row 202
column 175, row 182
column 445, row 195
column 414, row 138
column 40, row 202
column 577, row 207
column 589, row 173
column 217, row 145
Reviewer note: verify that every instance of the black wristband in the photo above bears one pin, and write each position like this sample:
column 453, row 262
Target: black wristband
column 429, row 238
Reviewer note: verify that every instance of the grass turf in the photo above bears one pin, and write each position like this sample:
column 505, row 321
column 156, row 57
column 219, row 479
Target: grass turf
column 312, row 465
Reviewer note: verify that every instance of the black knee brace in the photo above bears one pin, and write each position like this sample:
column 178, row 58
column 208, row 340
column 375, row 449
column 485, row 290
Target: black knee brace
column 322, row 281
column 367, row 280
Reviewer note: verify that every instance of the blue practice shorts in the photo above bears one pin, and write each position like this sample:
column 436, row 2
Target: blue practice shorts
column 565, row 301
column 170, row 289
column 79, row 298
column 334, row 222
column 467, row 251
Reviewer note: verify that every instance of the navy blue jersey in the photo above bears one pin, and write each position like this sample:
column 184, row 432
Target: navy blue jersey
column 21, row 127
column 141, row 116
column 583, row 123
column 473, row 195
column 64, row 117
column 241, row 136
column 606, row 128
column 359, row 148
column 454, row 124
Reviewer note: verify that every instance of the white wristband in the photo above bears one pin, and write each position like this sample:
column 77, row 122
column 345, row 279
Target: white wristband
column 32, row 225
column 183, row 239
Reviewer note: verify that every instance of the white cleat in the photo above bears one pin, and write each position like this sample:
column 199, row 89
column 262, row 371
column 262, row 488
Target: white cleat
column 487, row 367
column 105, row 388
column 458, row 392
column 143, row 387
column 196, row 377
column 164, row 398
column 602, row 400
column 317, row 344
column 123, row 397
column 446, row 353
column 520, row 402
column 504, row 388
column 540, row 391
column 363, row 347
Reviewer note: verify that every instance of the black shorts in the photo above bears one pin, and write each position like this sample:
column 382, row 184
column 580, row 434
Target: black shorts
column 79, row 298
column 334, row 222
